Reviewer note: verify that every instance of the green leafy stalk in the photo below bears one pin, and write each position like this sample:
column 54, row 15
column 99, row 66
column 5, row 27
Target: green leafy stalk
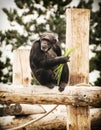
column 59, row 68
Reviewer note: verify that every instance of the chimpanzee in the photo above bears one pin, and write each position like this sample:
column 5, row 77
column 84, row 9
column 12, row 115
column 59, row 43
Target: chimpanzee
column 45, row 56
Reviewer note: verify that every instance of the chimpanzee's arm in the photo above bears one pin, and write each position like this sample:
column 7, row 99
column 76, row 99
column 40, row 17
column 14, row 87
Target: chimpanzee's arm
column 49, row 63
column 57, row 49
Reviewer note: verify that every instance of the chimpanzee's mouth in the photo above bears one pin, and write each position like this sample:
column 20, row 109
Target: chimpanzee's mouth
column 44, row 49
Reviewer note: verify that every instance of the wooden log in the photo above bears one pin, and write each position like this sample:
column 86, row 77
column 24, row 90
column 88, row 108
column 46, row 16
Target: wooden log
column 77, row 37
column 95, row 114
column 73, row 95
column 55, row 120
column 21, row 67
column 21, row 109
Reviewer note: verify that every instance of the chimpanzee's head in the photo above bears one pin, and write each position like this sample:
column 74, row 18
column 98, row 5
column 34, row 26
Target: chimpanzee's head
column 47, row 40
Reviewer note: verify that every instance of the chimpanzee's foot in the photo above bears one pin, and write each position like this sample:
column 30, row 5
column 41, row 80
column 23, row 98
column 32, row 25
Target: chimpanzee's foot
column 50, row 86
column 62, row 86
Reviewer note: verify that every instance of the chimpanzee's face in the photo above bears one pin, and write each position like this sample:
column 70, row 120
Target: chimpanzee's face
column 45, row 45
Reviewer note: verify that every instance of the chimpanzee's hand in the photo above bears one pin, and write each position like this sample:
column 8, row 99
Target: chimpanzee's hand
column 67, row 58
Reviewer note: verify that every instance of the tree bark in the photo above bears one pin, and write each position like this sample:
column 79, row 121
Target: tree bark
column 73, row 95
column 55, row 120
column 77, row 37
column 21, row 67
column 21, row 109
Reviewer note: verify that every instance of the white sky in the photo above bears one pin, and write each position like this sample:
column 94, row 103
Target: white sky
column 4, row 24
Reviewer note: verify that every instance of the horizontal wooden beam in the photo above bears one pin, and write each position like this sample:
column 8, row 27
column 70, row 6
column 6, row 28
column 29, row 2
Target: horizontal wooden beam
column 21, row 109
column 55, row 120
column 73, row 95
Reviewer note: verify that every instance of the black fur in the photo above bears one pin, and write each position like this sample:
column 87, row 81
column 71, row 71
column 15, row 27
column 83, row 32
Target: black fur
column 44, row 60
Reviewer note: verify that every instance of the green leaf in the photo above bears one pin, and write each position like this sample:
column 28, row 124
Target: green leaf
column 59, row 68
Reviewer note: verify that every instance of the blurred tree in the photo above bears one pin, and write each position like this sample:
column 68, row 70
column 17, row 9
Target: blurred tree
column 5, row 77
column 34, row 17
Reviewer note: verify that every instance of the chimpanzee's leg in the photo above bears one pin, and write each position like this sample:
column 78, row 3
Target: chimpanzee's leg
column 64, row 77
column 45, row 77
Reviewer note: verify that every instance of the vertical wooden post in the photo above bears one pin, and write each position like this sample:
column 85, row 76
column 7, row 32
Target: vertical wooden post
column 22, row 76
column 77, row 37
column 21, row 67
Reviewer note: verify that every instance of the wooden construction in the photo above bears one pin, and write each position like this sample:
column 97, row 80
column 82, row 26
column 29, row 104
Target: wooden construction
column 21, row 67
column 55, row 120
column 21, row 109
column 73, row 95
column 77, row 37
column 22, row 76
column 78, row 95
